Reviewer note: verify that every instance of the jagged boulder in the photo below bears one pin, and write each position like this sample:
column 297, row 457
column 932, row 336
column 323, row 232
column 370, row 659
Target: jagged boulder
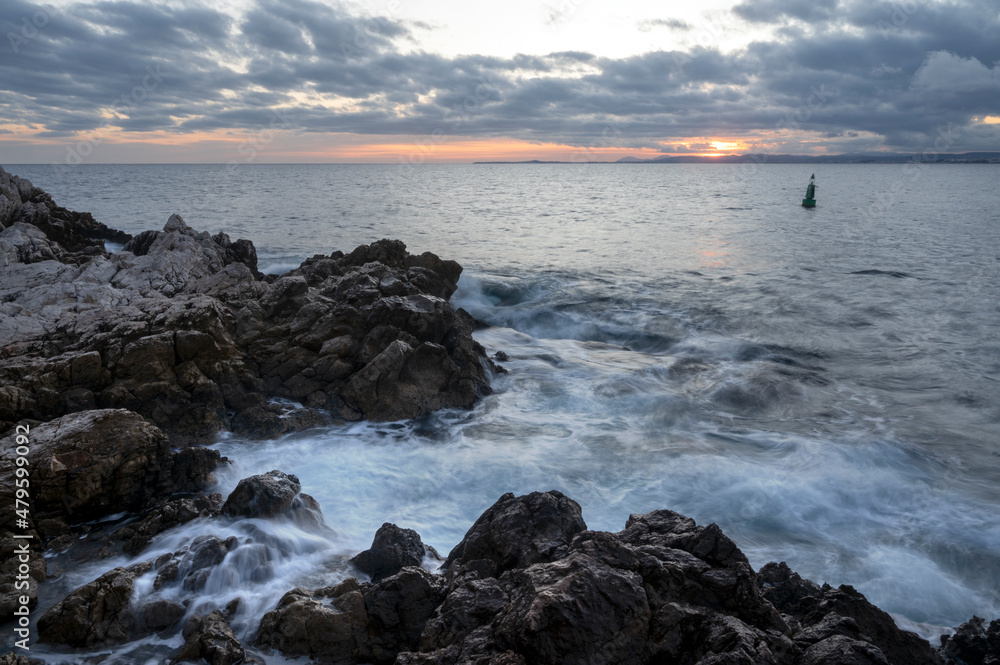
column 271, row 494
column 518, row 531
column 85, row 466
column 352, row 622
column 839, row 623
column 330, row 625
column 24, row 243
column 973, row 643
column 79, row 234
column 392, row 550
column 91, row 464
column 96, row 614
column 209, row 639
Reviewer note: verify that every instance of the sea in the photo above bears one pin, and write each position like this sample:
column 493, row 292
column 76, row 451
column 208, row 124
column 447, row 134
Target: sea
column 824, row 384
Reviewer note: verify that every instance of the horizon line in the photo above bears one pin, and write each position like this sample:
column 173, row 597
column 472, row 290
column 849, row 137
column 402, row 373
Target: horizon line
column 709, row 157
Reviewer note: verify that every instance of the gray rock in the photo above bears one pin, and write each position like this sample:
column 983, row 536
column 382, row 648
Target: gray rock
column 189, row 334
column 24, row 243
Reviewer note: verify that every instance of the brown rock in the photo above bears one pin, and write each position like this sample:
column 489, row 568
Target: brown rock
column 209, row 639
column 264, row 495
column 392, row 550
column 96, row 614
column 91, row 464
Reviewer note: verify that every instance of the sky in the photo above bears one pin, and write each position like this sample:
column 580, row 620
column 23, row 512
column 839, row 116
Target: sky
column 425, row 81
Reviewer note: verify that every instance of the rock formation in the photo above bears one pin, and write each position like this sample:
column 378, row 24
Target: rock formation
column 117, row 361
column 209, row 639
column 181, row 328
column 529, row 584
column 87, row 465
column 109, row 611
column 974, row 643
column 392, row 550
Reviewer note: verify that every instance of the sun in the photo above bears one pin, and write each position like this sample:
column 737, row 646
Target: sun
column 724, row 145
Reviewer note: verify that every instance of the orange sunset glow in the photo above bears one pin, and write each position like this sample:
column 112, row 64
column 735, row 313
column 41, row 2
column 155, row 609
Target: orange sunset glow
column 110, row 145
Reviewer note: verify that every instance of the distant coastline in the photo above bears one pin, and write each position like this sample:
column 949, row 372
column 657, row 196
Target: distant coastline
column 762, row 158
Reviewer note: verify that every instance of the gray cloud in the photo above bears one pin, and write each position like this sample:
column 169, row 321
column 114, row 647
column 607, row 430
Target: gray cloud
column 672, row 23
column 854, row 71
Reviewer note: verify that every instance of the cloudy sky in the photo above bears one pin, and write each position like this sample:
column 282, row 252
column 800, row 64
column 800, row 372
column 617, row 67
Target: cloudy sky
column 443, row 80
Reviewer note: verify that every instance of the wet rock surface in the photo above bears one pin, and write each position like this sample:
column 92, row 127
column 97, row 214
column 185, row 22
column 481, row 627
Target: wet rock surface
column 83, row 467
column 119, row 361
column 116, row 359
column 264, row 495
column 973, row 643
column 181, row 328
column 90, row 464
column 137, row 535
column 96, row 614
column 209, row 639
column 663, row 590
column 392, row 550
column 19, row 659
column 154, row 595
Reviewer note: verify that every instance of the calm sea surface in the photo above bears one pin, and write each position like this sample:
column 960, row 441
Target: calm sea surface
column 824, row 384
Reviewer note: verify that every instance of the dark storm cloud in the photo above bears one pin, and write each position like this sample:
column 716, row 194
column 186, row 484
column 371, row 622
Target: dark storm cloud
column 839, row 68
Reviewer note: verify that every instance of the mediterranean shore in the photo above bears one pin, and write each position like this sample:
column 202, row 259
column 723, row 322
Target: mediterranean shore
column 118, row 367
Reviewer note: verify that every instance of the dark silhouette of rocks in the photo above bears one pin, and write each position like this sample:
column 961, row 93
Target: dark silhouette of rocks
column 24, row 207
column 974, row 643
column 819, row 613
column 529, row 583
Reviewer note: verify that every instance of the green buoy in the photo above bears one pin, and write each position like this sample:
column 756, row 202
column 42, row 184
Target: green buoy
column 810, row 200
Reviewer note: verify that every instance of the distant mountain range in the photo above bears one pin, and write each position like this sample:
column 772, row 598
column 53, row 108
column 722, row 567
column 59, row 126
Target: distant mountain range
column 761, row 158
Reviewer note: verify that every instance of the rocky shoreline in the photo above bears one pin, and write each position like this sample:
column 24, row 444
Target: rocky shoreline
column 121, row 364
column 181, row 328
